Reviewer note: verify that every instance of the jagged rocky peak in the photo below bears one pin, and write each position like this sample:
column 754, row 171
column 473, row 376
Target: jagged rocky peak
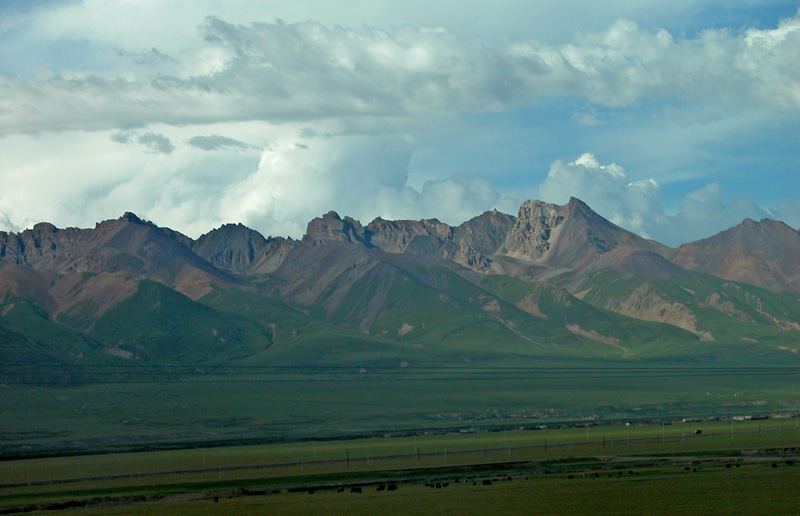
column 44, row 227
column 414, row 236
column 232, row 246
column 231, row 233
column 567, row 236
column 530, row 237
column 129, row 216
column 332, row 228
column 126, row 218
column 486, row 232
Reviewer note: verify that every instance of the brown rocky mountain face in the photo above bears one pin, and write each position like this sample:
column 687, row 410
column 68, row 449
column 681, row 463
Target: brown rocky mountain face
column 543, row 239
column 239, row 249
column 126, row 246
column 331, row 228
column 569, row 236
column 764, row 253
column 485, row 233
column 350, row 272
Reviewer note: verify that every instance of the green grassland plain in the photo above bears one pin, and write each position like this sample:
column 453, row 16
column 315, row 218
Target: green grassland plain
column 285, row 405
column 732, row 467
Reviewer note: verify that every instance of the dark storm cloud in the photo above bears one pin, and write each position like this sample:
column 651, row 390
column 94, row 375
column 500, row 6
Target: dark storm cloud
column 156, row 142
column 216, row 142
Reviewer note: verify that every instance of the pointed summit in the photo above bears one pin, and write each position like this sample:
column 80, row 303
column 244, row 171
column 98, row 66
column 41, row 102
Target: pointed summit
column 126, row 245
column 130, row 217
column 570, row 236
column 331, row 228
column 237, row 248
column 765, row 253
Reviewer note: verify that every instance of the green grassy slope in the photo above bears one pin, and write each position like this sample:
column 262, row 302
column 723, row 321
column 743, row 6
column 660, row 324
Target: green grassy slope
column 641, row 338
column 739, row 318
column 26, row 318
column 162, row 324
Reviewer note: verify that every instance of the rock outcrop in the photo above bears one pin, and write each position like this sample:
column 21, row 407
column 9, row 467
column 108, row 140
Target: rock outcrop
column 332, row 228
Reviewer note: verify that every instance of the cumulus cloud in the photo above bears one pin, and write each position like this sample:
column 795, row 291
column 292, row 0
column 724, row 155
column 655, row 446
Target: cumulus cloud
column 301, row 174
column 606, row 188
column 275, row 189
column 278, row 72
column 140, row 126
column 789, row 212
column 181, row 189
column 637, row 206
column 452, row 200
column 169, row 25
column 361, row 176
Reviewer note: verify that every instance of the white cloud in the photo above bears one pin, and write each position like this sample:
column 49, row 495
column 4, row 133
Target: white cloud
column 169, row 25
column 637, row 206
column 787, row 211
column 278, row 72
column 306, row 117
column 606, row 188
column 359, row 176
column 43, row 178
column 452, row 200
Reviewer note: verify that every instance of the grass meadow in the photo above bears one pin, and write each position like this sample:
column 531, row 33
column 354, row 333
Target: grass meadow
column 621, row 469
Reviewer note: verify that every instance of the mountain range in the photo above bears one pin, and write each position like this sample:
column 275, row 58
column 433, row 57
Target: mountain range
column 553, row 280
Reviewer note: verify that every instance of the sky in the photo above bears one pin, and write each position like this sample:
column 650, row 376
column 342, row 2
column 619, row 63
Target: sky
column 674, row 119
